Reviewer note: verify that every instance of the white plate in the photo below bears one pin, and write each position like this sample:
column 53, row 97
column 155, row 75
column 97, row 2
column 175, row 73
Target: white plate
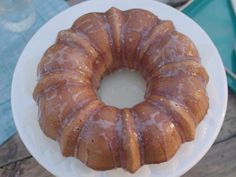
column 47, row 151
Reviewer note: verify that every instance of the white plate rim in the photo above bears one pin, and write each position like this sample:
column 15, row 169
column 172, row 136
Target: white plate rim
column 220, row 67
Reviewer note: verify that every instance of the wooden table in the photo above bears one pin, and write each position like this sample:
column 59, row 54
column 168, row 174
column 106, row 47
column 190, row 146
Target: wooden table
column 220, row 161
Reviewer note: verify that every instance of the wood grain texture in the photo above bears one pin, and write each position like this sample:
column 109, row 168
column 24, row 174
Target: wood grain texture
column 13, row 150
column 220, row 161
column 25, row 168
column 228, row 129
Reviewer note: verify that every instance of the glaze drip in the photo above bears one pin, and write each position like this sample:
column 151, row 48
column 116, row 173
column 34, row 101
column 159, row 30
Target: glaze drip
column 104, row 137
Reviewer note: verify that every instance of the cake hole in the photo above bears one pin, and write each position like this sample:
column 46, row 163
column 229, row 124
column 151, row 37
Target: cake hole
column 123, row 89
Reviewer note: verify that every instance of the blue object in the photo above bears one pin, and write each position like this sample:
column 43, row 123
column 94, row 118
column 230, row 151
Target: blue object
column 217, row 18
column 11, row 46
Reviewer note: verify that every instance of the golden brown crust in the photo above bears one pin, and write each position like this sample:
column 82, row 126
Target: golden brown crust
column 154, row 123
column 130, row 142
column 104, row 137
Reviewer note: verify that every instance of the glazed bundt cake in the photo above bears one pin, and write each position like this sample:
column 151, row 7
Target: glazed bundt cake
column 104, row 137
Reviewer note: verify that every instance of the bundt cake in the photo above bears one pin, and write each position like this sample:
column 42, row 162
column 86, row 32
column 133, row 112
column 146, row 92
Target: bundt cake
column 104, row 137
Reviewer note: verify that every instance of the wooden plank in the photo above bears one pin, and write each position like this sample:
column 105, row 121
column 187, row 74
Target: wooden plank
column 25, row 168
column 15, row 160
column 13, row 150
column 229, row 127
column 220, row 161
